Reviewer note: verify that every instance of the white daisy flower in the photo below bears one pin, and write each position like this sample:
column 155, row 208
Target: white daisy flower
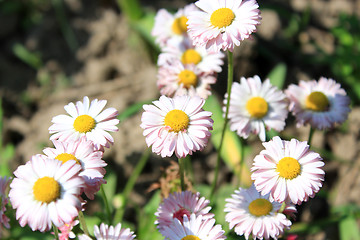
column 288, row 170
column 177, row 125
column 322, row 104
column 82, row 151
column 45, row 192
column 179, row 204
column 256, row 107
column 86, row 119
column 187, row 53
column 171, row 26
column 178, row 79
column 194, row 228
column 223, row 24
column 106, row 232
column 256, row 215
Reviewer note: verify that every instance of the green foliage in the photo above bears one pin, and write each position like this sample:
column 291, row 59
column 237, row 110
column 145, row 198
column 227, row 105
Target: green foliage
column 32, row 59
column 132, row 110
column 132, row 9
column 344, row 61
column 349, row 229
column 146, row 217
column 7, row 152
column 277, row 75
column 348, row 224
column 232, row 148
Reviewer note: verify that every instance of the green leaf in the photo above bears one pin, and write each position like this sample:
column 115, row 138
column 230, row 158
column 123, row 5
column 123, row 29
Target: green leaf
column 7, row 153
column 232, row 147
column 132, row 110
column 144, row 26
column 146, row 218
column 277, row 75
column 109, row 187
column 349, row 229
column 26, row 56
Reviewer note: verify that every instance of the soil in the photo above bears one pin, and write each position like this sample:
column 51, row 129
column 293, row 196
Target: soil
column 111, row 62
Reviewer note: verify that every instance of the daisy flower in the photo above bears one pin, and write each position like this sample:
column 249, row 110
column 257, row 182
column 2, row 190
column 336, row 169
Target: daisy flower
column 256, row 106
column 45, row 192
column 194, row 228
column 66, row 230
column 86, row 119
column 82, row 151
column 177, row 125
column 171, row 26
column 187, row 53
column 106, row 232
column 221, row 24
column 4, row 220
column 322, row 104
column 253, row 214
column 92, row 185
column 288, row 170
column 178, row 79
column 179, row 204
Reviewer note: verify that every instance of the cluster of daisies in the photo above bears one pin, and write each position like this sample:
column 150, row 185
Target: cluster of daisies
column 184, row 68
column 284, row 174
column 50, row 190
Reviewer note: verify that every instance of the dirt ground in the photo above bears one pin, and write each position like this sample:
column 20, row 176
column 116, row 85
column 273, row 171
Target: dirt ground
column 110, row 62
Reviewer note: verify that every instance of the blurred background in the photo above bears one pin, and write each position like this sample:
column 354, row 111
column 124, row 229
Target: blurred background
column 57, row 51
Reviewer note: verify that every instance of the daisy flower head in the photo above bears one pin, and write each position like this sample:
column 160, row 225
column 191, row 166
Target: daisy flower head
column 194, row 228
column 82, row 151
column 171, row 26
column 178, row 79
column 223, row 24
column 4, row 199
column 106, row 232
column 256, row 107
column 45, row 192
column 179, row 204
column 288, row 170
column 253, row 214
column 187, row 53
column 177, row 125
column 321, row 103
column 86, row 119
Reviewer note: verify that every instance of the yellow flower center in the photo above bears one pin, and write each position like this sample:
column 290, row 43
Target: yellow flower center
column 177, row 120
column 260, row 207
column 64, row 157
column 190, row 237
column 179, row 25
column 191, row 56
column 84, row 123
column 257, row 107
column 222, row 17
column 317, row 101
column 46, row 189
column 187, row 78
column 288, row 168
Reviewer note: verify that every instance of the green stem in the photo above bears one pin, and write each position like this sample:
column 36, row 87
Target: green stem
column 83, row 223
column 242, row 155
column 182, row 173
column 131, row 8
column 188, row 168
column 311, row 133
column 229, row 85
column 56, row 232
column 130, row 184
column 106, row 202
